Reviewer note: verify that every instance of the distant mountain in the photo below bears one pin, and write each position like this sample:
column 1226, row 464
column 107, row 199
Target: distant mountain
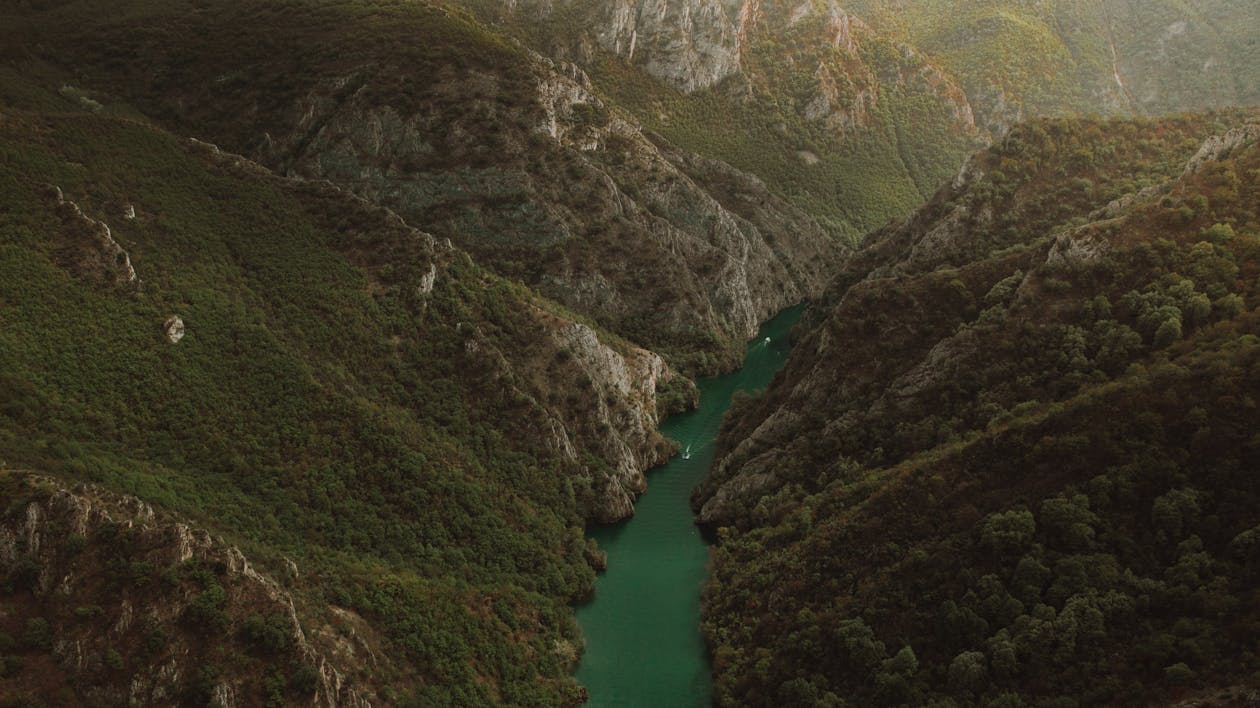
column 1009, row 460
column 857, row 111
column 1017, row 60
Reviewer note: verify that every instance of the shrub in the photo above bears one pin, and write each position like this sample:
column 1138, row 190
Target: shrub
column 273, row 634
column 37, row 634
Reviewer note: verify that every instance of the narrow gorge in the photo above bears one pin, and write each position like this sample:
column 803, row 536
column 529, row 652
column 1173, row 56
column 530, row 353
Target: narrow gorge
column 350, row 352
column 642, row 629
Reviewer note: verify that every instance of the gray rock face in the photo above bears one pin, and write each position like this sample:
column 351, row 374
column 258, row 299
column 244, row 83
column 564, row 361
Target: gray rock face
column 625, row 406
column 610, row 413
column 600, row 218
column 428, row 280
column 1220, row 147
column 689, row 44
column 173, row 329
column 1077, row 247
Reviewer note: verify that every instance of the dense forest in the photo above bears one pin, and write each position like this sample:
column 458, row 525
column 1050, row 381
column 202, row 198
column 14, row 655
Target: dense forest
column 1037, row 489
column 321, row 405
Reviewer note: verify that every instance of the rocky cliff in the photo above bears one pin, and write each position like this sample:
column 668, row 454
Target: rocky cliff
column 690, row 45
column 108, row 601
column 597, row 216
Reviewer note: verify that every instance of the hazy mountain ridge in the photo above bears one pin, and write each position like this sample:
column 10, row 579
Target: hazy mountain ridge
column 806, row 94
column 1109, row 56
column 1020, row 378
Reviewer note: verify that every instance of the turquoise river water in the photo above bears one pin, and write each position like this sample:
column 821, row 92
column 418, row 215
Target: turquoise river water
column 642, row 629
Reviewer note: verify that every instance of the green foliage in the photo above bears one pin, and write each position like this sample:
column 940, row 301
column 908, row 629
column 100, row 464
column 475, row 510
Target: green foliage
column 315, row 410
column 1054, row 506
column 305, row 680
column 205, row 612
column 675, row 395
column 1008, row 532
column 200, row 687
column 37, row 635
column 11, row 666
column 1219, row 233
column 967, row 671
column 272, row 634
column 1179, row 674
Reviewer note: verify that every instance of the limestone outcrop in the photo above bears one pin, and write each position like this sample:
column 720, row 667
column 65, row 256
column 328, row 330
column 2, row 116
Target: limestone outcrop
column 690, row 45
column 624, row 398
column 90, row 249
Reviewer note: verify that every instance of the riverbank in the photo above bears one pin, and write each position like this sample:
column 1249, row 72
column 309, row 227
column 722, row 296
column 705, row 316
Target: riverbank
column 642, row 628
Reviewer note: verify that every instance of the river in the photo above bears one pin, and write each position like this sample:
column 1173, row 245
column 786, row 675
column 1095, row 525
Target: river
column 642, row 628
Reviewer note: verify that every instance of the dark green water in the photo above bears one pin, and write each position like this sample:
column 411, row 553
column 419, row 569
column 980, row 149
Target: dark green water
column 642, row 629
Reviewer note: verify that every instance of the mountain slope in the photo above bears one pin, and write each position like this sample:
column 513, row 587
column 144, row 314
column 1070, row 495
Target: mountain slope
column 299, row 370
column 470, row 137
column 1007, row 461
column 1019, row 60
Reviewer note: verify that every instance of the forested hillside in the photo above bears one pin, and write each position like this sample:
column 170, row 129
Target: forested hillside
column 328, row 326
column 1009, row 462
column 301, row 371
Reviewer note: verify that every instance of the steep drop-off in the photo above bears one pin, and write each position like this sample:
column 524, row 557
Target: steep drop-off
column 294, row 368
column 118, row 601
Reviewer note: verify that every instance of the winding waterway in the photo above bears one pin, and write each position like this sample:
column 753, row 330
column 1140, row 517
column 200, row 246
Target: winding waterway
column 642, row 629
